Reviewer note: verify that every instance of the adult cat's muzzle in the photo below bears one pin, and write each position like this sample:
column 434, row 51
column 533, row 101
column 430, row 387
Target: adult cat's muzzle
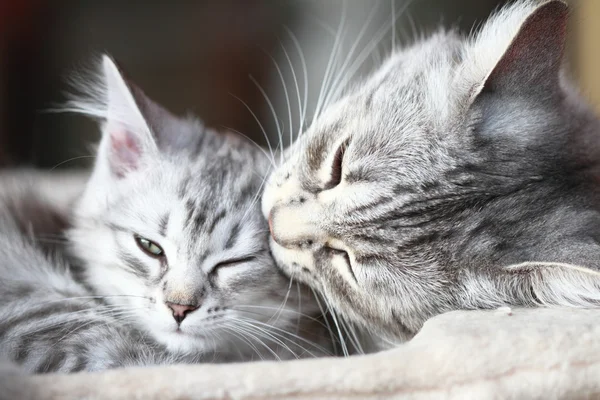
column 294, row 227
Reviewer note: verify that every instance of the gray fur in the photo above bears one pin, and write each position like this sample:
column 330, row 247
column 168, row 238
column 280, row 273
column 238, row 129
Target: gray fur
column 92, row 299
column 470, row 181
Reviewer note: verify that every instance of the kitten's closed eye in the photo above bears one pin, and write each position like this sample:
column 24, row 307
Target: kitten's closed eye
column 336, row 167
column 233, row 262
column 149, row 247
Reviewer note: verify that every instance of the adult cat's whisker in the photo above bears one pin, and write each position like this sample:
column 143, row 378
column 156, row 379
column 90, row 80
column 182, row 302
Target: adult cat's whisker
column 271, row 158
column 283, row 304
column 342, row 70
column 337, row 325
column 273, row 113
column 325, row 318
column 301, row 104
column 285, row 90
column 328, row 69
column 260, row 125
column 299, row 305
column 348, row 74
column 254, row 199
column 351, row 334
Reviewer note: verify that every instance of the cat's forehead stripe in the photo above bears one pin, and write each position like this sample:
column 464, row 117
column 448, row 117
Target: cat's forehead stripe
column 215, row 220
column 233, row 236
column 162, row 225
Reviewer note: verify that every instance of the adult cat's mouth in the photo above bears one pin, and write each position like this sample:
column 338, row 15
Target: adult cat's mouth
column 295, row 263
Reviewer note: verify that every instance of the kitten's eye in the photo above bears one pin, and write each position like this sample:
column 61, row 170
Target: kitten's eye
column 149, row 247
column 233, row 262
column 336, row 167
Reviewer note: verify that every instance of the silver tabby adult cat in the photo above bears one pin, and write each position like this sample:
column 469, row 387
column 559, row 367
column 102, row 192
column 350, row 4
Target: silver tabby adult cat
column 464, row 173
column 167, row 255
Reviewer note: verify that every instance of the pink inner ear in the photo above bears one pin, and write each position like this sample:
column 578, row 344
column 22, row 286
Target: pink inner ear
column 124, row 151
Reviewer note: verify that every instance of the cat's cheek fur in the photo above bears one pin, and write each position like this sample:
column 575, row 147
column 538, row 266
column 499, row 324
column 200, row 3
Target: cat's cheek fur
column 295, row 263
column 283, row 186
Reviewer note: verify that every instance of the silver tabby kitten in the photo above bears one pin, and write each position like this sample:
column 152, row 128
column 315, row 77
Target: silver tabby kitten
column 171, row 259
column 462, row 174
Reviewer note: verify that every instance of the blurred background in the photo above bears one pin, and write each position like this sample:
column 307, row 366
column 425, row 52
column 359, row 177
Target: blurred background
column 218, row 59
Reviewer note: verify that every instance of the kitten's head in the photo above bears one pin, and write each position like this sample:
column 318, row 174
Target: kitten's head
column 414, row 193
column 169, row 227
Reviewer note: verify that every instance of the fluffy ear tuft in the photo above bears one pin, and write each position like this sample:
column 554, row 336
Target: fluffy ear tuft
column 135, row 128
column 520, row 49
column 126, row 135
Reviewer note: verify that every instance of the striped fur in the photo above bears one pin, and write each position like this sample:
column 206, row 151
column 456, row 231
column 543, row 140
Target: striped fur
column 468, row 178
column 78, row 293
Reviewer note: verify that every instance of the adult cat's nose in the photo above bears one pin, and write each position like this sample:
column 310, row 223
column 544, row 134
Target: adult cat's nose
column 180, row 311
column 294, row 227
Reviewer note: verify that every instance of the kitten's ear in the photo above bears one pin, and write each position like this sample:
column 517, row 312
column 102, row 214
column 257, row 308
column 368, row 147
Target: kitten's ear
column 137, row 128
column 126, row 135
column 531, row 59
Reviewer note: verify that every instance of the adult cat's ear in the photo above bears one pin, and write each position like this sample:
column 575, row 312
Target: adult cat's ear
column 556, row 284
column 522, row 57
column 533, row 284
column 136, row 128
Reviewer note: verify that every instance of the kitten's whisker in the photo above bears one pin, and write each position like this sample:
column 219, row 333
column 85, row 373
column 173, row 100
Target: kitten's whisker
column 99, row 297
column 249, row 324
column 253, row 334
column 232, row 329
column 69, row 160
column 299, row 314
column 281, row 332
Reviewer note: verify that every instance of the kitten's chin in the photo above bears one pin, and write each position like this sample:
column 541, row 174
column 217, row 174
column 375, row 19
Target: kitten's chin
column 181, row 342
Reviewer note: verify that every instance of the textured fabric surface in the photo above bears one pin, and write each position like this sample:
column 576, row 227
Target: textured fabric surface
column 499, row 354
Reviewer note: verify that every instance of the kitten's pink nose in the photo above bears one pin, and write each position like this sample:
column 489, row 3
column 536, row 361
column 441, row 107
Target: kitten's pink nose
column 180, row 311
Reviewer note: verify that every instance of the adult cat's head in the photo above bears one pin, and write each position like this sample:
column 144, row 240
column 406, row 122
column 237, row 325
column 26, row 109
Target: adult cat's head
column 169, row 227
column 428, row 186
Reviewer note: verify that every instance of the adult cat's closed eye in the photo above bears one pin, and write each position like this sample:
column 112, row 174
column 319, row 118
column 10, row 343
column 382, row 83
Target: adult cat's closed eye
column 461, row 174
